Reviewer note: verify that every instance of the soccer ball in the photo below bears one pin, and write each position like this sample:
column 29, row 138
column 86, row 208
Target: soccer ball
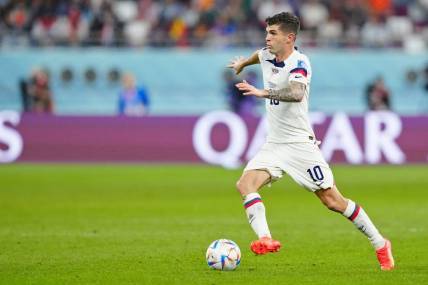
column 223, row 254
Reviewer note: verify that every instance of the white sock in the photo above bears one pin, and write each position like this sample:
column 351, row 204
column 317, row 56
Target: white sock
column 256, row 214
column 359, row 218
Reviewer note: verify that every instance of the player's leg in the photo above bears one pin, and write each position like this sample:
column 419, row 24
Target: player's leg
column 260, row 170
column 248, row 185
column 306, row 165
column 334, row 200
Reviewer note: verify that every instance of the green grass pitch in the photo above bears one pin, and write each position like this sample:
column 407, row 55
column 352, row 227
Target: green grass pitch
column 132, row 224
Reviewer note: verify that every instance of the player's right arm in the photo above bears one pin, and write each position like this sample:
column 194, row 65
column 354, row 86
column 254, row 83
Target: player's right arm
column 240, row 62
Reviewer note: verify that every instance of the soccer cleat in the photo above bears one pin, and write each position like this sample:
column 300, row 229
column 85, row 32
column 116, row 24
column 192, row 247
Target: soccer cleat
column 384, row 255
column 265, row 245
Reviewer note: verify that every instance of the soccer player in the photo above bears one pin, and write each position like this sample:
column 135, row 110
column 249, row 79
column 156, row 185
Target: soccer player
column 291, row 146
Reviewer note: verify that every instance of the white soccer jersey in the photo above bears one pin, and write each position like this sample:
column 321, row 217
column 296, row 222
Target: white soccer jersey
column 288, row 122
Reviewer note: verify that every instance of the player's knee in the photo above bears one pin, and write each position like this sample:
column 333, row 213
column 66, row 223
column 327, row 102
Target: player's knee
column 243, row 187
column 240, row 186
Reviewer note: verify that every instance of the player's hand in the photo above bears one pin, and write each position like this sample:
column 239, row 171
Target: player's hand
column 237, row 64
column 250, row 90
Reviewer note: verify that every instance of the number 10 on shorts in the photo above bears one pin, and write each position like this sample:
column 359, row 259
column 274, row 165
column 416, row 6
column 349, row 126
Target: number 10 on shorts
column 316, row 173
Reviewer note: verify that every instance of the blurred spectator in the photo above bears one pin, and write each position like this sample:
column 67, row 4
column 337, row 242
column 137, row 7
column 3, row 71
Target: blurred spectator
column 380, row 7
column 105, row 28
column 16, row 21
column 374, row 33
column 77, row 22
column 331, row 32
column 272, row 7
column 378, row 97
column 36, row 94
column 238, row 103
column 45, row 26
column 313, row 14
column 232, row 93
column 25, row 97
column 425, row 78
column 133, row 100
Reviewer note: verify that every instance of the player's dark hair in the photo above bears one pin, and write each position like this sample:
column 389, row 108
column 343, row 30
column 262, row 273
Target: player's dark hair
column 287, row 22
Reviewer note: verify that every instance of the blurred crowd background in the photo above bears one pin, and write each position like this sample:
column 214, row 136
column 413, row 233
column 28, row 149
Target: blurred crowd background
column 168, row 57
column 207, row 23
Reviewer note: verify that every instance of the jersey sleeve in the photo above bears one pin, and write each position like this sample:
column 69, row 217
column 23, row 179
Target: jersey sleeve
column 300, row 72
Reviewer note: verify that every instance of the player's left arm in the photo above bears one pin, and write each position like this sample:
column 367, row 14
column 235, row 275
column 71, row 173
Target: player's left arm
column 294, row 92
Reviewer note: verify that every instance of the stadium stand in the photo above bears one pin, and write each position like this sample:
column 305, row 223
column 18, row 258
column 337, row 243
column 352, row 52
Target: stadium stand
column 169, row 45
column 325, row 23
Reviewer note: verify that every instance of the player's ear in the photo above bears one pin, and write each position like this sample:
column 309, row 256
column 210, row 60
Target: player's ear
column 291, row 37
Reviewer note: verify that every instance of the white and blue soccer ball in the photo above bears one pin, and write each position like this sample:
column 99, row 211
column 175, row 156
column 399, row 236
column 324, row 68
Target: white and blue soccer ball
column 223, row 254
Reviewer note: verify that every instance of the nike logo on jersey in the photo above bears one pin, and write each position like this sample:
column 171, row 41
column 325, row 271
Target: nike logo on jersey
column 298, row 76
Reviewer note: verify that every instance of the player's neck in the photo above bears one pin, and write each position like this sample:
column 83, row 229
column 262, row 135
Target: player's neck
column 282, row 56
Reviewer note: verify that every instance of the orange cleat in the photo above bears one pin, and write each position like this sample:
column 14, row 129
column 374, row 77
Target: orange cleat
column 384, row 255
column 265, row 245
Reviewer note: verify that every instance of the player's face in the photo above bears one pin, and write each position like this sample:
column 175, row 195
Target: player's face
column 276, row 39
